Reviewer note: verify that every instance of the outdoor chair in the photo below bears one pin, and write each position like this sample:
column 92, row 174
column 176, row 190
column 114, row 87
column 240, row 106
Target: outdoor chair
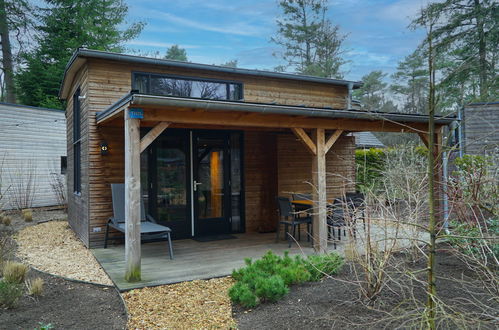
column 301, row 197
column 336, row 219
column 148, row 226
column 289, row 218
column 356, row 206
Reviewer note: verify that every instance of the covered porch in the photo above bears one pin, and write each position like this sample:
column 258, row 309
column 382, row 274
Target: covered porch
column 318, row 133
column 193, row 260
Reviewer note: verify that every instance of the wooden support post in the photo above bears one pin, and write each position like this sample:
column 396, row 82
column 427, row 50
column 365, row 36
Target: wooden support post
column 305, row 140
column 152, row 135
column 132, row 198
column 319, row 180
column 438, row 177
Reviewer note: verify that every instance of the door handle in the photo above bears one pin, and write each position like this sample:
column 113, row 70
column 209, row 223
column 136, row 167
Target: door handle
column 195, row 185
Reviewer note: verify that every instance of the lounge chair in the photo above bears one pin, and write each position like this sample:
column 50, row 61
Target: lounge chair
column 148, row 226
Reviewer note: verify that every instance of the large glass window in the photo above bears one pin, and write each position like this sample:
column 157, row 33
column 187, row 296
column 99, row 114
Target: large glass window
column 76, row 143
column 154, row 84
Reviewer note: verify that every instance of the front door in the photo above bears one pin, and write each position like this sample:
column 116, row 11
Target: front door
column 191, row 181
column 211, row 186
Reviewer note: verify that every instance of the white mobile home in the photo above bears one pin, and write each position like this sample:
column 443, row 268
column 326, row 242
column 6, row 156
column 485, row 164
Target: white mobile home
column 32, row 156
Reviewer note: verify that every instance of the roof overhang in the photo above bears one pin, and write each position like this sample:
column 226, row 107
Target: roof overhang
column 81, row 54
column 168, row 102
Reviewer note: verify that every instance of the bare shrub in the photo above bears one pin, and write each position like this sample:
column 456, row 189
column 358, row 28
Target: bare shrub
column 23, row 185
column 35, row 286
column 14, row 272
column 58, row 186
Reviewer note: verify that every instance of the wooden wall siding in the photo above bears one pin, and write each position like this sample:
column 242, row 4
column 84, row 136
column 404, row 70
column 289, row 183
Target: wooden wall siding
column 110, row 81
column 481, row 128
column 260, row 165
column 78, row 205
column 30, row 138
column 295, row 166
column 104, row 82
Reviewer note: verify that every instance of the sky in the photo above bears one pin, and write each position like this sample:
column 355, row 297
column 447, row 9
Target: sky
column 217, row 31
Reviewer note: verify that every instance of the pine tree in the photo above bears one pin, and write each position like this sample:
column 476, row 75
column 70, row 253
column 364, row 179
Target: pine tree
column 410, row 81
column 65, row 26
column 15, row 19
column 466, row 34
column 372, row 94
column 176, row 53
column 312, row 45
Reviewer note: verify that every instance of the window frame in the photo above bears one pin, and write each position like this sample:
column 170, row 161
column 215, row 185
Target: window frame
column 77, row 142
column 190, row 78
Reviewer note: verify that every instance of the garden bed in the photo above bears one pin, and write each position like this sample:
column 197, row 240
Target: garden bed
column 67, row 305
column 336, row 303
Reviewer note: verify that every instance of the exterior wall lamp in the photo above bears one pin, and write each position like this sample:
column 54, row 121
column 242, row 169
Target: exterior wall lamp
column 104, row 148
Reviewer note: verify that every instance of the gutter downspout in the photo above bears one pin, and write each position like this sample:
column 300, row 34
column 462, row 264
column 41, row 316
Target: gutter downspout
column 445, row 191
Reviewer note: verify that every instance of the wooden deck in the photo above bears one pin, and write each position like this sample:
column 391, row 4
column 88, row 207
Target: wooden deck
column 193, row 260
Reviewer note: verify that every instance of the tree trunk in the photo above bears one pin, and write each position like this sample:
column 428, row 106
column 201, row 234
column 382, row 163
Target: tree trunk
column 7, row 64
column 432, row 291
column 482, row 61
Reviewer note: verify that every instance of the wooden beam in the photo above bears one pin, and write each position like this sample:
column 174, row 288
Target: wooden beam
column 319, row 223
column 305, row 140
column 132, row 198
column 424, row 138
column 226, row 118
column 332, row 139
column 152, row 135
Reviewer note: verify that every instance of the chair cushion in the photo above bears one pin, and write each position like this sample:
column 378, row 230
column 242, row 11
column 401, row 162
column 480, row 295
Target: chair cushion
column 147, row 227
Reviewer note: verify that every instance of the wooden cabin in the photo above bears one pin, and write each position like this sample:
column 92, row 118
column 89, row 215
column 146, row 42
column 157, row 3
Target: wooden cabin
column 207, row 148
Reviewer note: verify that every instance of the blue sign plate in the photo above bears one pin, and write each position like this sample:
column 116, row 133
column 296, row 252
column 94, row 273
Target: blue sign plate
column 136, row 113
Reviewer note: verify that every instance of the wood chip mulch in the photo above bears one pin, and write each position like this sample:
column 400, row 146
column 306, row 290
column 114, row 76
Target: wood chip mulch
column 202, row 304
column 54, row 248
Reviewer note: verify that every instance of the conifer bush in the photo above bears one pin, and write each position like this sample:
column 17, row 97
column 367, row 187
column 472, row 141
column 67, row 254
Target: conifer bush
column 269, row 278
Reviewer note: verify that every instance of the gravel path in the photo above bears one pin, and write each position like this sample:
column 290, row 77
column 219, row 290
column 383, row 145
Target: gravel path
column 53, row 247
column 187, row 305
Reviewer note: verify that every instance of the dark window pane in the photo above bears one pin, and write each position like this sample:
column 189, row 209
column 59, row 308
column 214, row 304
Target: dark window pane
column 169, row 86
column 141, row 83
column 234, row 92
column 64, row 164
column 77, row 167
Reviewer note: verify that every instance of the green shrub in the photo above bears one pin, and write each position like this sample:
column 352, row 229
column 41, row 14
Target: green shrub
column 269, row 278
column 10, row 294
column 240, row 293
column 320, row 265
column 270, row 288
column 469, row 239
column 370, row 164
column 14, row 272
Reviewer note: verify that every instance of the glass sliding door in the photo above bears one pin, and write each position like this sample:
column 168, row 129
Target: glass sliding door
column 168, row 180
column 207, row 172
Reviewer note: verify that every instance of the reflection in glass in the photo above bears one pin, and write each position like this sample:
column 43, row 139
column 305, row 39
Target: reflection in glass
column 171, row 176
column 211, row 178
column 172, row 86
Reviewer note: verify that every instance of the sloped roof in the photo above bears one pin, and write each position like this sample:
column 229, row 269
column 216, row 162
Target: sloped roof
column 367, row 140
